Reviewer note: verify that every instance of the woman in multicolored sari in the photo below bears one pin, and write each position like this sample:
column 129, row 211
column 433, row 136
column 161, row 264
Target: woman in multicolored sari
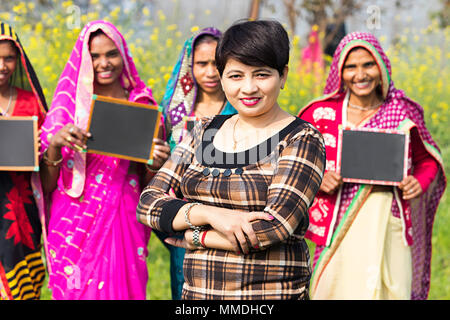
column 194, row 90
column 373, row 242
column 96, row 248
column 21, row 269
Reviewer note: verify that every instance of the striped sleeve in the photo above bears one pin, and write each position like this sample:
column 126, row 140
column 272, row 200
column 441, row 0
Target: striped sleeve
column 296, row 180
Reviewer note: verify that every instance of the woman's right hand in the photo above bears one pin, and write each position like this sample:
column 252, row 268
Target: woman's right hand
column 331, row 182
column 70, row 136
column 236, row 227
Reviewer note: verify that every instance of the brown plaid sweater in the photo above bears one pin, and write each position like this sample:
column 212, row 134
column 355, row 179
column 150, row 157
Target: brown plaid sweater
column 280, row 176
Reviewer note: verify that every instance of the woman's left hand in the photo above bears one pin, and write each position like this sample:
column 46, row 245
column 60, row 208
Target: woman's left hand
column 411, row 188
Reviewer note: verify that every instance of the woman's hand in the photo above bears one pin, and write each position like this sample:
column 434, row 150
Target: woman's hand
column 39, row 140
column 187, row 242
column 411, row 188
column 331, row 182
column 235, row 226
column 161, row 152
column 70, row 136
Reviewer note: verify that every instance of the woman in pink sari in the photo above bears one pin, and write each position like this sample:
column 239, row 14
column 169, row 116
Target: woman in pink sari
column 96, row 248
column 373, row 242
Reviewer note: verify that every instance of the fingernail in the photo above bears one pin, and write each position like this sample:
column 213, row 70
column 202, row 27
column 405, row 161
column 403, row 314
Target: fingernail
column 271, row 217
column 256, row 247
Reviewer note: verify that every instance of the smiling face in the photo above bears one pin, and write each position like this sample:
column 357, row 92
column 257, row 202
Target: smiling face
column 204, row 68
column 106, row 60
column 252, row 90
column 361, row 74
column 8, row 61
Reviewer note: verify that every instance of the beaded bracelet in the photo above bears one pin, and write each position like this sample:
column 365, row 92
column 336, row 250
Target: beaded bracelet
column 150, row 169
column 186, row 216
column 51, row 162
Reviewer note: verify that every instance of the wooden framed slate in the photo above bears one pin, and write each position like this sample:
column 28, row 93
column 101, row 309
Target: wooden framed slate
column 123, row 129
column 19, row 144
column 372, row 156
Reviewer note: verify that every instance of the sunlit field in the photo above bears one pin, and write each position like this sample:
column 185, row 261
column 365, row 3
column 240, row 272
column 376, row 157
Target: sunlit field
column 420, row 68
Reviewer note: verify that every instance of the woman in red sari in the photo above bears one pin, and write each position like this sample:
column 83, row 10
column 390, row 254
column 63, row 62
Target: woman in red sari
column 21, row 269
column 373, row 242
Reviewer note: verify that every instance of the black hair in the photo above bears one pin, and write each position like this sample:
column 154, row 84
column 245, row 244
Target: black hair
column 254, row 43
column 96, row 33
column 205, row 38
column 13, row 45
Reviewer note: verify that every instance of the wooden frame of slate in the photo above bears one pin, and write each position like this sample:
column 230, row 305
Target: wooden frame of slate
column 372, row 156
column 19, row 148
column 123, row 129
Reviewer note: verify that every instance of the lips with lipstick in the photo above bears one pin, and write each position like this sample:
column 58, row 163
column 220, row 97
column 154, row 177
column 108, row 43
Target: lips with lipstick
column 250, row 101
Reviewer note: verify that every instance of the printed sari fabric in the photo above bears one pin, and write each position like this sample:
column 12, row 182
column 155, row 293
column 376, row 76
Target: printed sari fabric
column 181, row 91
column 96, row 248
column 328, row 212
column 22, row 271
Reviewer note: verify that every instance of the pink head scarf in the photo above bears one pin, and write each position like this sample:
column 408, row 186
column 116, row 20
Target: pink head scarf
column 73, row 94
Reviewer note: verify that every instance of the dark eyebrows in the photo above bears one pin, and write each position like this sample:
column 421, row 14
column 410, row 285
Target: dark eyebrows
column 366, row 63
column 113, row 51
column 262, row 69
column 233, row 71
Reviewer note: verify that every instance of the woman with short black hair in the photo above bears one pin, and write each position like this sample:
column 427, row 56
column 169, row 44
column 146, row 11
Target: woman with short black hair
column 247, row 181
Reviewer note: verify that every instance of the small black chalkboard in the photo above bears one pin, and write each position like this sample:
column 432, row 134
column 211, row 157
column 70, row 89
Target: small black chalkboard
column 18, row 144
column 123, row 129
column 372, row 156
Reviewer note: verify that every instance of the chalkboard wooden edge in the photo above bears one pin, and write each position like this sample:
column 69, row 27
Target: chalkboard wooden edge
column 35, row 166
column 124, row 102
column 369, row 181
column 121, row 156
column 131, row 104
column 339, row 149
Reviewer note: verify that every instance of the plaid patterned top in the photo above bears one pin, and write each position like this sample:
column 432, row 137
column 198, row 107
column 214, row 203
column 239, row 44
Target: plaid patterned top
column 280, row 176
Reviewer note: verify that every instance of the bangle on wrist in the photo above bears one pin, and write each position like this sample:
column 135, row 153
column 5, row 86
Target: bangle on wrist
column 49, row 162
column 186, row 216
column 150, row 169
